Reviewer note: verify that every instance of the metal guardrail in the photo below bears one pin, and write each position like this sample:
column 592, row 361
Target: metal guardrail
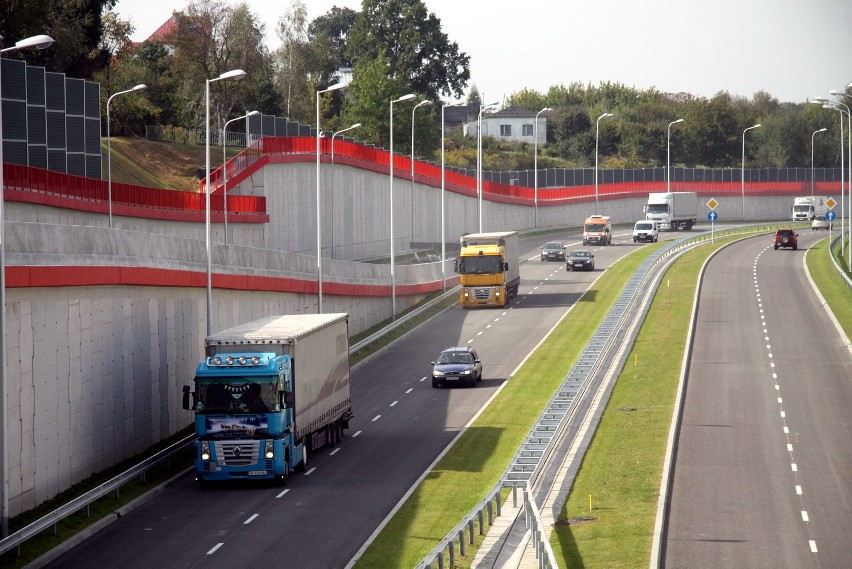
column 831, row 246
column 84, row 501
column 402, row 320
column 534, row 452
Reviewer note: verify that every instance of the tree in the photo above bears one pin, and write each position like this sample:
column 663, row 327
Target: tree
column 368, row 100
column 334, row 26
column 411, row 42
column 75, row 26
column 293, row 59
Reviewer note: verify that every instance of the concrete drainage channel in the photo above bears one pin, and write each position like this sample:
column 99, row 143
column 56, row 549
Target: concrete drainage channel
column 564, row 428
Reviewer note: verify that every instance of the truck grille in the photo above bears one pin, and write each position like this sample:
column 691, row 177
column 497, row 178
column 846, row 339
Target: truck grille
column 481, row 293
column 237, row 453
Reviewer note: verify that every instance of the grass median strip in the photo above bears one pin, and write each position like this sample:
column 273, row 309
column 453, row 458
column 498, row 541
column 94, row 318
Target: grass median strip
column 475, row 463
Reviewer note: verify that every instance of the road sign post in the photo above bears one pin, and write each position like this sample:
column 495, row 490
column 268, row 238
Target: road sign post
column 712, row 203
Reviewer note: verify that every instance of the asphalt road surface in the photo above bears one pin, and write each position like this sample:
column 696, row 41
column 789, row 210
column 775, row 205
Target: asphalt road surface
column 763, row 473
column 322, row 517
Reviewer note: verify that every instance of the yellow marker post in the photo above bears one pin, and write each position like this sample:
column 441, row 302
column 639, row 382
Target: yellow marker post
column 590, row 502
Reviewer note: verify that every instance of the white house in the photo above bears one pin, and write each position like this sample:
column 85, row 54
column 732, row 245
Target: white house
column 512, row 123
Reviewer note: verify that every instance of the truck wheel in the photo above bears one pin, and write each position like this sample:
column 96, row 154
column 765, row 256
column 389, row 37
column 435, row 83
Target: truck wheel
column 303, row 464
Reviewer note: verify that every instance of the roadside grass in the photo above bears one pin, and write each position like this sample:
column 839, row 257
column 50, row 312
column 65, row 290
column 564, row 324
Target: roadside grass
column 621, row 472
column 479, row 458
column 833, row 289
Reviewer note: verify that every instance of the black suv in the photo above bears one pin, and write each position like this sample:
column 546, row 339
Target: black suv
column 457, row 365
column 786, row 238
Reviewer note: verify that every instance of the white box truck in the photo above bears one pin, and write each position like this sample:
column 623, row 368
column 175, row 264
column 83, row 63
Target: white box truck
column 269, row 392
column 672, row 210
column 807, row 207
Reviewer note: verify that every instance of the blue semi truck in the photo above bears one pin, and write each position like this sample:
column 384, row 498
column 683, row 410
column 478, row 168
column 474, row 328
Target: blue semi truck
column 267, row 394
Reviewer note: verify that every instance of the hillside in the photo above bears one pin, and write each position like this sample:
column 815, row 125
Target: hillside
column 157, row 164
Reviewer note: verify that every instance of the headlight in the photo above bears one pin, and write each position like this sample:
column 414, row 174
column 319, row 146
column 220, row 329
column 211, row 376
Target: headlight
column 466, row 372
column 436, row 373
column 205, row 450
column 270, row 453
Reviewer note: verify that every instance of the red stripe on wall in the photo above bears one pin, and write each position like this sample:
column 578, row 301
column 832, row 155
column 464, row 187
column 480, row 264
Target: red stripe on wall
column 89, row 275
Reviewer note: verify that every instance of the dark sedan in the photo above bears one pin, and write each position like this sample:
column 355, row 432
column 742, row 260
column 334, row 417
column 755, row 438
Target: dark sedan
column 553, row 251
column 580, row 261
column 457, row 365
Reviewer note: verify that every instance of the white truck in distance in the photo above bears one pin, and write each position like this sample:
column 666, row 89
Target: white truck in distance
column 672, row 210
column 807, row 207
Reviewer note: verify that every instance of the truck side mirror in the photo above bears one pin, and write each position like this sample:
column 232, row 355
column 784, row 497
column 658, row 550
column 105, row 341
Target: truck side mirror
column 289, row 399
column 186, row 397
column 456, row 265
column 505, row 266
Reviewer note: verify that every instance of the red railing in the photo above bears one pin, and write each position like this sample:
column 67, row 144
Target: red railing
column 25, row 183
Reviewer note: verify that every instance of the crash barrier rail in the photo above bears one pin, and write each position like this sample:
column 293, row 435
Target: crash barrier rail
column 535, row 452
column 831, row 247
column 84, row 501
column 114, row 485
column 488, row 509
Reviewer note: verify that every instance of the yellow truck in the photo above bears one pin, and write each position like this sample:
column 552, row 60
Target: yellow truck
column 488, row 268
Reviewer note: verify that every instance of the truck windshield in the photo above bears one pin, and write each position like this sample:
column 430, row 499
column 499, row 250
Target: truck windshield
column 594, row 227
column 658, row 208
column 481, row 265
column 802, row 208
column 236, row 396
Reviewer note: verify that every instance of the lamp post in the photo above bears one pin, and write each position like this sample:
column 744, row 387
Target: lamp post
column 356, row 125
column 109, row 147
column 742, row 172
column 482, row 109
column 849, row 177
column 597, row 128
column 826, row 104
column 421, row 103
column 669, row 156
column 38, row 42
column 443, row 187
column 334, row 87
column 812, row 158
column 233, row 74
column 225, row 165
column 535, row 162
column 407, row 97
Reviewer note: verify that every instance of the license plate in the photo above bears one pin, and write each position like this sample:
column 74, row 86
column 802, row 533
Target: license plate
column 257, row 473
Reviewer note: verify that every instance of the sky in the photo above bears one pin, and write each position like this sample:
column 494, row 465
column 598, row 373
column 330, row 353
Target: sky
column 792, row 49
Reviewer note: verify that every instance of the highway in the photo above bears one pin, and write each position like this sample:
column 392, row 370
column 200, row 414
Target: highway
column 763, row 471
column 323, row 516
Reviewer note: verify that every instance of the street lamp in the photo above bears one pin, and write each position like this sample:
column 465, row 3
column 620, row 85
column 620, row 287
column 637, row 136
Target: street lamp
column 597, row 128
column 443, row 187
column 356, row 125
column 669, row 156
column 421, row 103
column 742, row 173
column 233, row 74
column 38, row 42
column 482, row 109
column 812, row 158
column 407, row 97
column 849, row 177
column 827, row 104
column 225, row 165
column 535, row 161
column 334, row 87
column 139, row 87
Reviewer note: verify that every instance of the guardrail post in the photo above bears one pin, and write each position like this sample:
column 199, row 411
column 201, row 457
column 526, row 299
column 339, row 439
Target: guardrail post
column 499, row 504
column 461, row 541
column 441, row 560
column 452, row 545
column 481, row 522
column 514, row 496
column 470, row 529
column 490, row 514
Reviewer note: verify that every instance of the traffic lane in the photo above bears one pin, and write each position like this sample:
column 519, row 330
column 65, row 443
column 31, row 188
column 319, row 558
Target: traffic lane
column 732, row 503
column 813, row 370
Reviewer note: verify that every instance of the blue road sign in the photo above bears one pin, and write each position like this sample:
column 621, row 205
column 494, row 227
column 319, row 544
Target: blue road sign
column 712, row 216
column 830, row 215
